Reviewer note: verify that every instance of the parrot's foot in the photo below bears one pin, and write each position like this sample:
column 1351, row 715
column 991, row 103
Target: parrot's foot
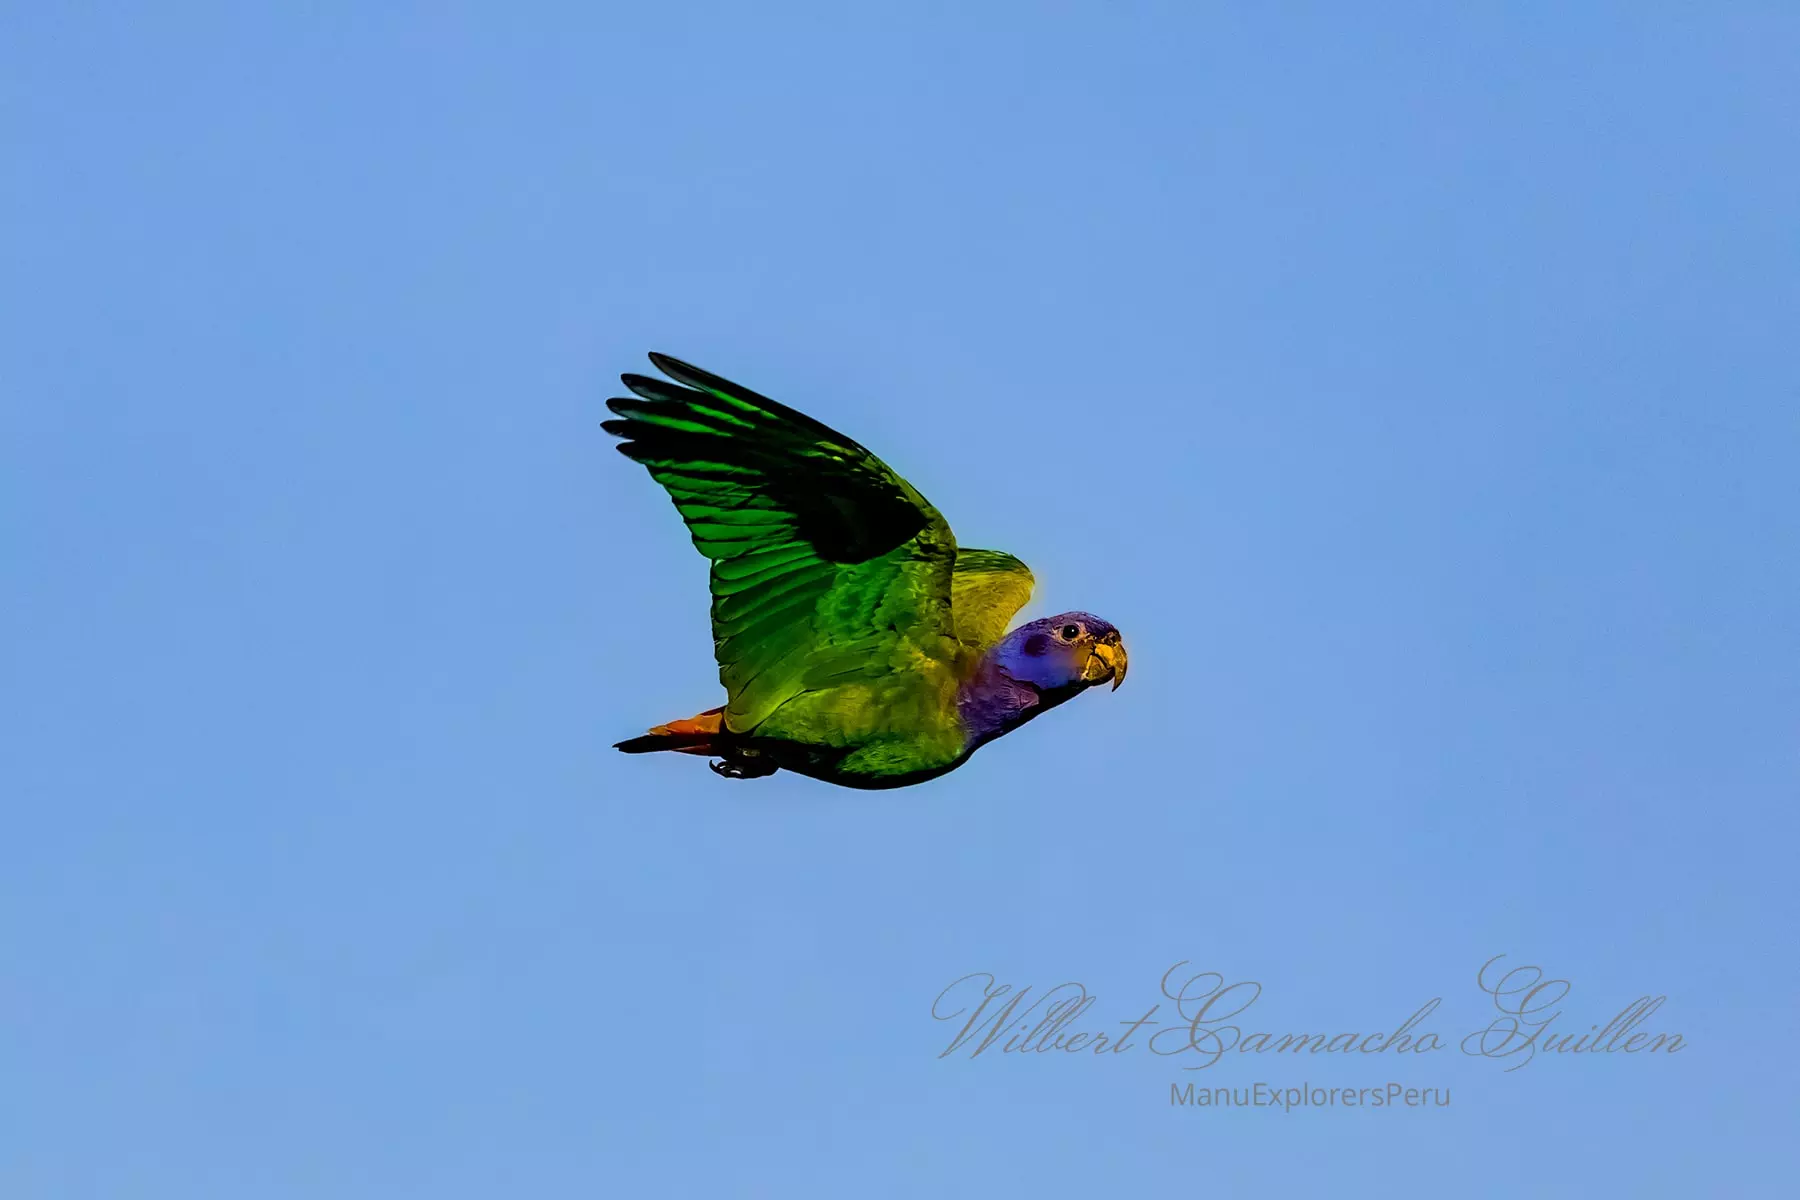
column 743, row 764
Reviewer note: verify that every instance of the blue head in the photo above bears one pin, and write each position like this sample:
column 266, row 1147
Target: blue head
column 1062, row 654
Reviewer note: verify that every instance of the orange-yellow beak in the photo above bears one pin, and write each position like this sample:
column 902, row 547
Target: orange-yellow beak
column 1108, row 660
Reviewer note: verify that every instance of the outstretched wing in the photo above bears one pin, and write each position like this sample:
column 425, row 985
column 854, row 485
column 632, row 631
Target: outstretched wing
column 826, row 565
column 987, row 589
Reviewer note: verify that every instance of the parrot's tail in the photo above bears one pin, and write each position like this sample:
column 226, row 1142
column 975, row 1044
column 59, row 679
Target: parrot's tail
column 696, row 735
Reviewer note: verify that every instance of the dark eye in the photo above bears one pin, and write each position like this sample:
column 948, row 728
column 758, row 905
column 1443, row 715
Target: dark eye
column 1070, row 632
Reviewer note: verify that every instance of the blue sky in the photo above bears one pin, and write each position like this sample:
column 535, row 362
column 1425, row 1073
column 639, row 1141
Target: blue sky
column 1413, row 385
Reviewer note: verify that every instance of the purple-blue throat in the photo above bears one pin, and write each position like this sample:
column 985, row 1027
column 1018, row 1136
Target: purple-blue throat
column 1029, row 671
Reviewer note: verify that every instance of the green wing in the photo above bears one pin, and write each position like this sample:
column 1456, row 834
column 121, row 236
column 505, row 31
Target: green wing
column 826, row 565
column 988, row 588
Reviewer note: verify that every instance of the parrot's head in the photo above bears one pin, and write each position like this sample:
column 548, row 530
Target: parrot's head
column 1063, row 654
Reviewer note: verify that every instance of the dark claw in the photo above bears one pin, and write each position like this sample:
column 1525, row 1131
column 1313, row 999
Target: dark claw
column 737, row 768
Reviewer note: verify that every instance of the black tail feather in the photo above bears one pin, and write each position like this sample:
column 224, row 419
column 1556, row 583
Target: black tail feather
column 664, row 741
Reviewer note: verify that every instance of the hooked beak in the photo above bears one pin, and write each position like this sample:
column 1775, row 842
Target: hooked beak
column 1112, row 654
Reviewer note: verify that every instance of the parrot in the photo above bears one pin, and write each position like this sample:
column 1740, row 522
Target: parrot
column 857, row 643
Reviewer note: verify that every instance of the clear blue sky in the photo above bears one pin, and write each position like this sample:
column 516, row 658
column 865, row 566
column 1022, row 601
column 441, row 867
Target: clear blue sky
column 1415, row 385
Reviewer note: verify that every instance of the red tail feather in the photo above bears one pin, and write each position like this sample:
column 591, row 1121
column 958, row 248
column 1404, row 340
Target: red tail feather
column 692, row 736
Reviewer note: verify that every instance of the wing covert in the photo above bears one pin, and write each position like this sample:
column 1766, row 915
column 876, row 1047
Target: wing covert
column 987, row 590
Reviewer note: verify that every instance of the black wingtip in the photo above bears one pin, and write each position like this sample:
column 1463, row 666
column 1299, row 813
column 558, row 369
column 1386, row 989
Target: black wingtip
column 692, row 376
column 705, row 381
column 669, row 365
column 657, row 389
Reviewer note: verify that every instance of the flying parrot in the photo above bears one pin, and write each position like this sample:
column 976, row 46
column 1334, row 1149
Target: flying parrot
column 858, row 644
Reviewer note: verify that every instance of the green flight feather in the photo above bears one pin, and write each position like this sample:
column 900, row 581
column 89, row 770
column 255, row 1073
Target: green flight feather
column 827, row 567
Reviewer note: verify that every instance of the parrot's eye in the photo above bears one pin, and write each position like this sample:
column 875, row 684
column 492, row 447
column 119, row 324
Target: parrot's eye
column 1070, row 632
